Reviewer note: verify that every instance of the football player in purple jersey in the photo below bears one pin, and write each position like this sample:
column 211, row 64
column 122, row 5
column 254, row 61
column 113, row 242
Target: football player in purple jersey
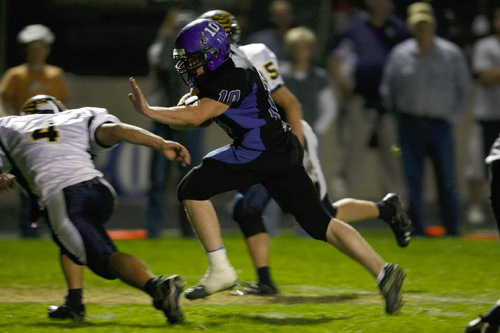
column 231, row 93
column 250, row 203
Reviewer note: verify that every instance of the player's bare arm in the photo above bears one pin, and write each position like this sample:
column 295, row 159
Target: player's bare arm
column 7, row 181
column 110, row 134
column 293, row 109
column 178, row 117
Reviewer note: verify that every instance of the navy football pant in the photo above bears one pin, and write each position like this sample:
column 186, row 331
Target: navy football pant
column 76, row 220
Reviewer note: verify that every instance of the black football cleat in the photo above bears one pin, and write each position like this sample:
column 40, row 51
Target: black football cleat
column 391, row 287
column 400, row 223
column 66, row 311
column 167, row 297
column 479, row 326
column 258, row 289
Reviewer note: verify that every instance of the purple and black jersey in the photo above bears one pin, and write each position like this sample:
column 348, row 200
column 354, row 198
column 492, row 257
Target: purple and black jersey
column 265, row 150
column 252, row 120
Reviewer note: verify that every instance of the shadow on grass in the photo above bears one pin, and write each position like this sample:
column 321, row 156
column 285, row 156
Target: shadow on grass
column 280, row 319
column 319, row 299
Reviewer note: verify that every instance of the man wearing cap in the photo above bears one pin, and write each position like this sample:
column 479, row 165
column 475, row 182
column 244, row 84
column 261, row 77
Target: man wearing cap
column 426, row 82
column 20, row 83
column 35, row 76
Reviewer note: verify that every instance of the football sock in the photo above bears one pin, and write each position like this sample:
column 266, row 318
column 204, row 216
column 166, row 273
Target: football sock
column 381, row 274
column 386, row 212
column 150, row 286
column 74, row 297
column 264, row 274
column 218, row 258
column 493, row 316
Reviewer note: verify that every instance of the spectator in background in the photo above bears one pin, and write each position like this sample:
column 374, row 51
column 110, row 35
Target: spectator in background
column 35, row 76
column 19, row 83
column 309, row 83
column 481, row 23
column 281, row 16
column 356, row 64
column 442, row 9
column 167, row 90
column 486, row 67
column 426, row 82
column 342, row 11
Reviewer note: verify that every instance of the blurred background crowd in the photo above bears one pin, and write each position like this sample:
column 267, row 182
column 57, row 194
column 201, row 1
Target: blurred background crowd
column 104, row 37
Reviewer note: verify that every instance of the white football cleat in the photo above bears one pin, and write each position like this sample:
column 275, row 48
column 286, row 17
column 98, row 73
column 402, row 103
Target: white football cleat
column 214, row 281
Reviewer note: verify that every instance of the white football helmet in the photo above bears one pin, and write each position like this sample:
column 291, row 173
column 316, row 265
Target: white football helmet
column 42, row 104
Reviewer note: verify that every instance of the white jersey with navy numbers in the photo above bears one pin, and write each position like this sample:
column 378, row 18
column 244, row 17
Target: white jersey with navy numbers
column 53, row 151
column 266, row 63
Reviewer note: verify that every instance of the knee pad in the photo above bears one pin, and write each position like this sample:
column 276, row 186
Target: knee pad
column 249, row 220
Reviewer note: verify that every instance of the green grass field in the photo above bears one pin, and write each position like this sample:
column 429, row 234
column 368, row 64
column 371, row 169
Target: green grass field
column 449, row 282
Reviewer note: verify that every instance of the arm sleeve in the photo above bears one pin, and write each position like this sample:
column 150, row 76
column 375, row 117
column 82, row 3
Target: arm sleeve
column 100, row 116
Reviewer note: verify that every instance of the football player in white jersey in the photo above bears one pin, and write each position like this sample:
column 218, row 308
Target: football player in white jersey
column 250, row 203
column 49, row 151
